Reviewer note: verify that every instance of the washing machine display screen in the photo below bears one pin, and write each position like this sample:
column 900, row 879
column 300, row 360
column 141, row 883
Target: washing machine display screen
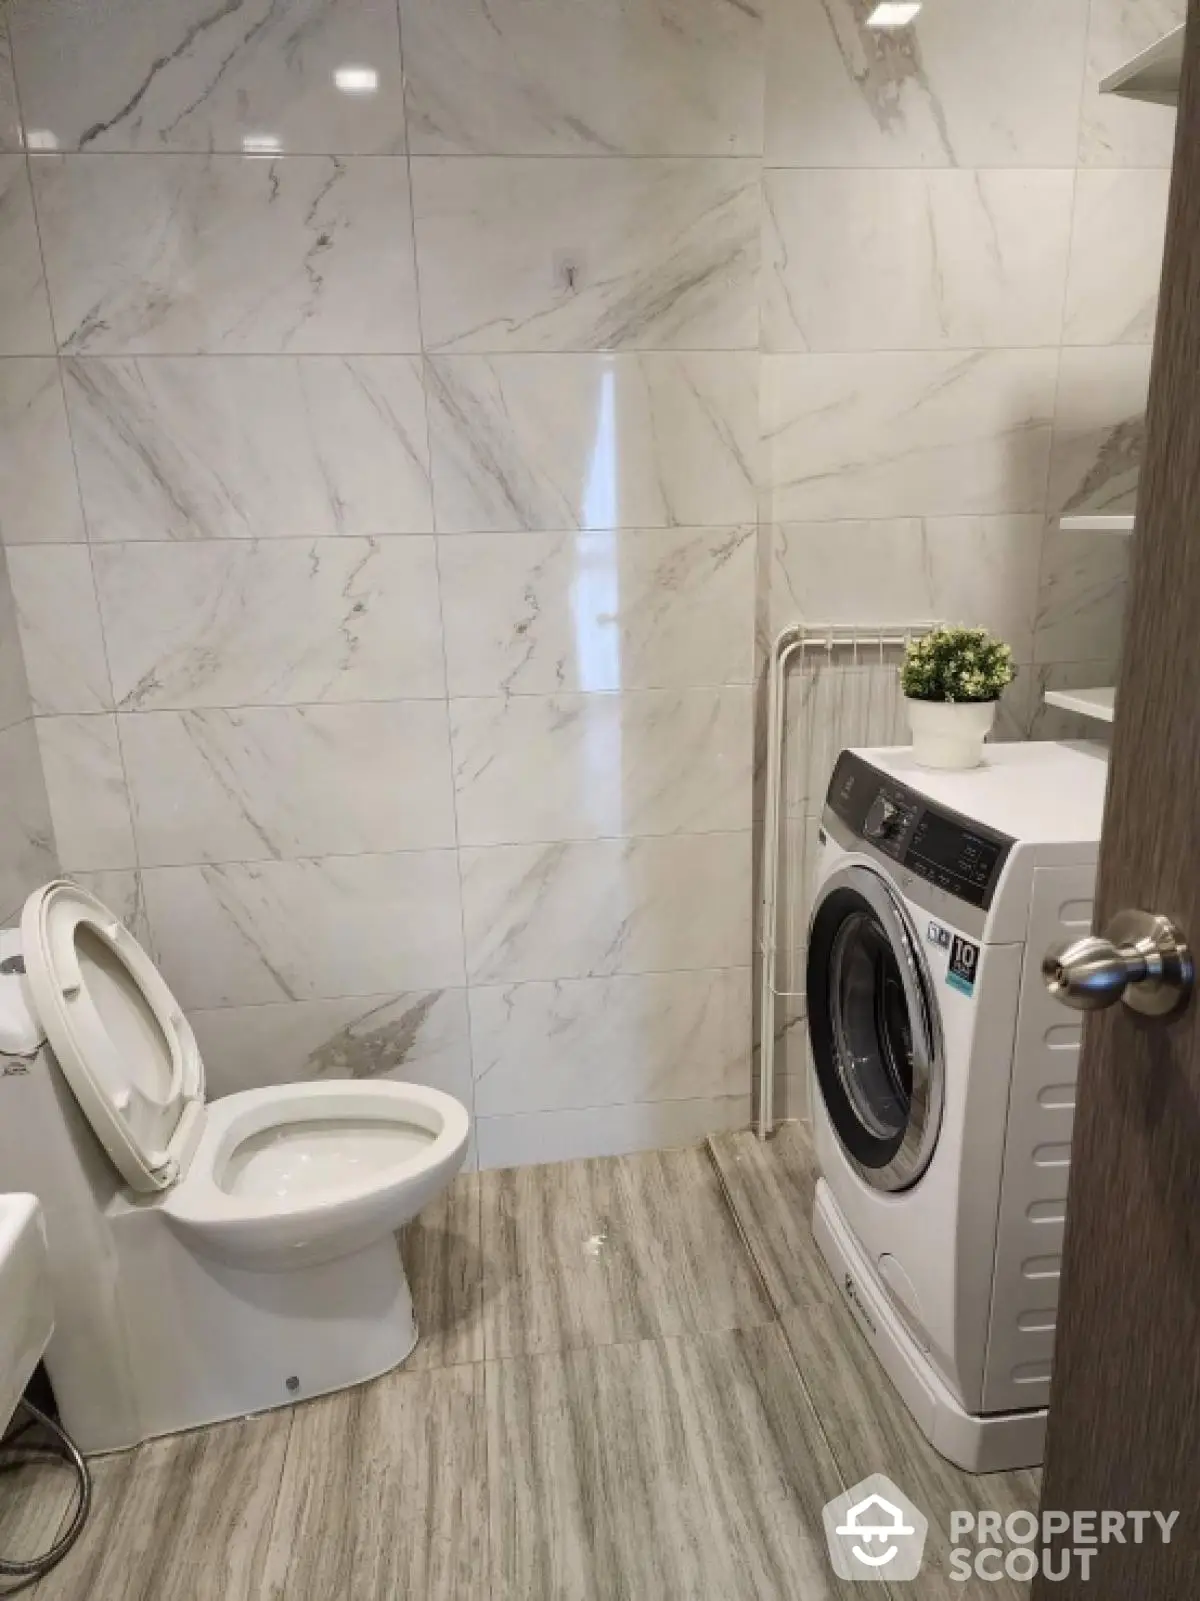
column 953, row 857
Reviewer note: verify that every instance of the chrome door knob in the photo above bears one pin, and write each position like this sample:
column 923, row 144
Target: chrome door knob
column 1144, row 961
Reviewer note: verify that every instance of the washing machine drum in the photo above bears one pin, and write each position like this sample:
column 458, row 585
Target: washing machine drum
column 873, row 1025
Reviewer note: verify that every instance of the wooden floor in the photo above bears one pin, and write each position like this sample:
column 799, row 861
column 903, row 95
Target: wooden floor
column 635, row 1382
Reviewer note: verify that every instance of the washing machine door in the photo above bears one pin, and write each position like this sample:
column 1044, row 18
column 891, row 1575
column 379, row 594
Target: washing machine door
column 874, row 1028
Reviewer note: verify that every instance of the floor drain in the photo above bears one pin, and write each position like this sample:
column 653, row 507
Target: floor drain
column 293, row 1384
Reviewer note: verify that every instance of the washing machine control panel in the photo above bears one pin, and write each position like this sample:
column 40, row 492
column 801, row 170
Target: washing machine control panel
column 960, row 856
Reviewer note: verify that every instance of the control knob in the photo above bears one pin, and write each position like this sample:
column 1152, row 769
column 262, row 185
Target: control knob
column 885, row 820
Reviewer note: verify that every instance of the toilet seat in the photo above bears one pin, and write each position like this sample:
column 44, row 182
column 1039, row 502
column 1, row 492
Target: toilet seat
column 244, row 1224
column 120, row 1036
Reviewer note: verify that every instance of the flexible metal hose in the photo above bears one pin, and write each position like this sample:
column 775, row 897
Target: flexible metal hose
column 28, row 1572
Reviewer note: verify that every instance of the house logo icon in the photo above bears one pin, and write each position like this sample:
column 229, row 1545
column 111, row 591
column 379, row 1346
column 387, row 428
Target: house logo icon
column 875, row 1532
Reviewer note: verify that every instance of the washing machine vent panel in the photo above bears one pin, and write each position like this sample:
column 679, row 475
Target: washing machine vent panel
column 1037, row 1155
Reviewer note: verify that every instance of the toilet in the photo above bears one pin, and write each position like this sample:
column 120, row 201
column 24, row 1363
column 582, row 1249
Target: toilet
column 208, row 1260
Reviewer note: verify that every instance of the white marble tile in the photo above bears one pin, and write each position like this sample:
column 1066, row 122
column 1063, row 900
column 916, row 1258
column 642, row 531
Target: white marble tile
column 193, row 255
column 271, row 622
column 800, row 853
column 792, row 1099
column 654, row 761
column 612, row 77
column 11, row 136
column 900, row 435
column 994, row 83
column 60, row 628
column 1082, row 593
column 888, row 260
column 25, row 328
column 1116, row 256
column 1099, row 429
column 195, row 447
column 587, row 254
column 27, row 856
column 640, row 609
column 607, row 1041
column 287, row 781
column 590, row 909
column 593, row 442
column 1015, row 712
column 39, row 500
column 1114, row 131
column 831, row 707
column 14, row 688
column 85, row 783
column 526, row 1139
column 192, row 76
column 326, row 927
column 420, row 1037
column 981, row 571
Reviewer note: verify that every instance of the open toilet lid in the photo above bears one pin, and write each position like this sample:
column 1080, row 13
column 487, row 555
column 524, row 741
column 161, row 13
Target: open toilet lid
column 120, row 1036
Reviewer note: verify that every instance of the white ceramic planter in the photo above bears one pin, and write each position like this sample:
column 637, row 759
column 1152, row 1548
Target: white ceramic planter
column 949, row 734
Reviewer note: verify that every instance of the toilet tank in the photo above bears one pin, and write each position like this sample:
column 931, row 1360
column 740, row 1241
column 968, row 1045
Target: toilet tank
column 48, row 1149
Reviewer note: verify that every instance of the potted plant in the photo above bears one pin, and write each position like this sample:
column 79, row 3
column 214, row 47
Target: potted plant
column 952, row 679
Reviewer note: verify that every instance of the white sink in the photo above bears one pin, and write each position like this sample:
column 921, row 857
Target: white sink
column 26, row 1310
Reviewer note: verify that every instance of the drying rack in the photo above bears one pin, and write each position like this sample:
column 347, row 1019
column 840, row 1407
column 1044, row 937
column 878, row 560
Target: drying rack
column 852, row 646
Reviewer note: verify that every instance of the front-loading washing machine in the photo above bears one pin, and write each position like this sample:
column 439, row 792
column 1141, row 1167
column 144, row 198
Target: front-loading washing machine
column 944, row 1073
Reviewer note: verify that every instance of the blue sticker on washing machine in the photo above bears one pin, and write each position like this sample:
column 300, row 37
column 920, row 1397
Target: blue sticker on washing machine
column 964, row 964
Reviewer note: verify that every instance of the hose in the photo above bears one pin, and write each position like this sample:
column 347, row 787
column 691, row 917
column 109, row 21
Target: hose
column 29, row 1572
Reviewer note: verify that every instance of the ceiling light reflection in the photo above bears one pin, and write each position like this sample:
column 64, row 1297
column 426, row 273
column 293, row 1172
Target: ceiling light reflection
column 893, row 13
column 261, row 144
column 356, row 80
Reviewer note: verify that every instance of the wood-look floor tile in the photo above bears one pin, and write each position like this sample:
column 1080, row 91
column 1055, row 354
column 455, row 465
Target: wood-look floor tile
column 617, row 1248
column 383, row 1494
column 686, row 1467
column 443, row 1258
column 770, row 1186
column 36, row 1498
column 187, row 1516
column 872, row 1431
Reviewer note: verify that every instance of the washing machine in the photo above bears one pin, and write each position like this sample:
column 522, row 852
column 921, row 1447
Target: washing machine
column 944, row 1073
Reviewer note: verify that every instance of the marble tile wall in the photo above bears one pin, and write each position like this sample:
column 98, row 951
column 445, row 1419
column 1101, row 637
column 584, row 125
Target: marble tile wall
column 27, row 854
column 961, row 249
column 26, row 837
column 414, row 419
column 378, row 476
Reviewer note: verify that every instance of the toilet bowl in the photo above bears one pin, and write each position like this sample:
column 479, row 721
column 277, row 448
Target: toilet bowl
column 209, row 1260
column 300, row 1174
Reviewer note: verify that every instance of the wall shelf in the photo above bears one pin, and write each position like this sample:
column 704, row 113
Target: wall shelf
column 1152, row 75
column 1091, row 523
column 1097, row 703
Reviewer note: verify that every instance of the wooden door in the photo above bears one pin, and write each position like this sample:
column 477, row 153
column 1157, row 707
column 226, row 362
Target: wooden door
column 1125, row 1404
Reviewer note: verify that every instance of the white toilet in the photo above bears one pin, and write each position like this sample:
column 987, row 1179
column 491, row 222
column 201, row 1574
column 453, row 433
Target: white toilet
column 207, row 1261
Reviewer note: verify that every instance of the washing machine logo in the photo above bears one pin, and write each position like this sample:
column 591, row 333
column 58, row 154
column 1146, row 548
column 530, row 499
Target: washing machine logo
column 875, row 1532
column 852, row 1295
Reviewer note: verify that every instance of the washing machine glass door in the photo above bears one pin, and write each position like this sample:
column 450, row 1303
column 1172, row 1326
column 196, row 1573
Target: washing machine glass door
column 874, row 1028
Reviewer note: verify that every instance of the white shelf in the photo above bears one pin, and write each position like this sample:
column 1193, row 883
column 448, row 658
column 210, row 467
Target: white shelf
column 1090, row 523
column 1097, row 703
column 1153, row 75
